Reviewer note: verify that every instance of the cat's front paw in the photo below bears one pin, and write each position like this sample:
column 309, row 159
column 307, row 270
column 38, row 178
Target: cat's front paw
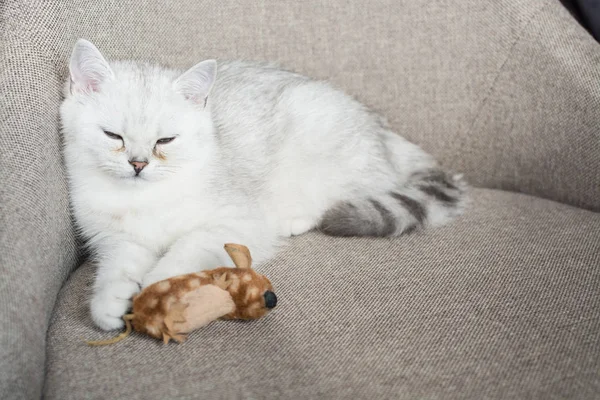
column 111, row 302
column 295, row 226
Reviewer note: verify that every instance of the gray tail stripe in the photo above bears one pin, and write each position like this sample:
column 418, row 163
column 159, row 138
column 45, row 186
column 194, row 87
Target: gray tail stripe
column 438, row 194
column 410, row 229
column 386, row 215
column 414, row 207
column 441, row 178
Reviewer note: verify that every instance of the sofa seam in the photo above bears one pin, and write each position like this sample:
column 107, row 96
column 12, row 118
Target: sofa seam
column 509, row 54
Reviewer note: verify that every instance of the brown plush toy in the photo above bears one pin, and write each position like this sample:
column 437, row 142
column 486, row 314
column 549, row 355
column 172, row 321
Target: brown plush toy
column 172, row 308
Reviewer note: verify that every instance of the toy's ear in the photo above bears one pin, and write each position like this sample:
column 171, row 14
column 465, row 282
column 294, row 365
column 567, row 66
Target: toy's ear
column 240, row 255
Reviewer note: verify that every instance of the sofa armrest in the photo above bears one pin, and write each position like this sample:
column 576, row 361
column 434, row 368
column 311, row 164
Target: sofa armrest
column 37, row 244
column 538, row 128
column 506, row 91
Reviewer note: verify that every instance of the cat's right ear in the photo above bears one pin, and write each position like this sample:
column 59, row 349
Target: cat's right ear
column 195, row 84
column 87, row 68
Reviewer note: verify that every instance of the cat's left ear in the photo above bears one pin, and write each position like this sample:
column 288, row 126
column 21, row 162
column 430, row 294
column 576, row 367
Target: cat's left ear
column 195, row 84
column 87, row 68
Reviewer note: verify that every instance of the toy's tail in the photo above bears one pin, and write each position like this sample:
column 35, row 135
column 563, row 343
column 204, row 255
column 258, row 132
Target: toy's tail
column 127, row 318
column 428, row 199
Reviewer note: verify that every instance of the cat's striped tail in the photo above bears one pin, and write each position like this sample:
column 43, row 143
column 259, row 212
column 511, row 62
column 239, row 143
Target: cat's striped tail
column 429, row 198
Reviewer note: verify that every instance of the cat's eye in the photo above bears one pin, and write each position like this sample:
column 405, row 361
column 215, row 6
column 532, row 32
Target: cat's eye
column 113, row 135
column 165, row 140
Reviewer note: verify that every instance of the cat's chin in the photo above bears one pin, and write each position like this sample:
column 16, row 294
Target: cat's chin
column 133, row 179
column 141, row 180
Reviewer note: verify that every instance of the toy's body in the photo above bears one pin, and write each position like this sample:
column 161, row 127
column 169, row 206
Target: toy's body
column 172, row 308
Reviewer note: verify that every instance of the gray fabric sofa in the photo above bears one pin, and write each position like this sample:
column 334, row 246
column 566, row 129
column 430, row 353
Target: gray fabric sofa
column 502, row 304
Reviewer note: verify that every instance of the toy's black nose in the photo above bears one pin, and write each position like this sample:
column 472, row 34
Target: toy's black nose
column 270, row 299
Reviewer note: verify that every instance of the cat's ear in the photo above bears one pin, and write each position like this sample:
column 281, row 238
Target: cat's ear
column 196, row 82
column 88, row 69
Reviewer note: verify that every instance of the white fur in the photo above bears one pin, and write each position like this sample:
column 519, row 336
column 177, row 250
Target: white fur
column 263, row 157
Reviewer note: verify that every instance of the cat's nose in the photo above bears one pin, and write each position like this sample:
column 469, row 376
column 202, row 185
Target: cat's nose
column 138, row 166
column 270, row 299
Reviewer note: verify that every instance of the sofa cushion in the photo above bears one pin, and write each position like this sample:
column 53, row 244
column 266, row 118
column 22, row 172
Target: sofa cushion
column 505, row 303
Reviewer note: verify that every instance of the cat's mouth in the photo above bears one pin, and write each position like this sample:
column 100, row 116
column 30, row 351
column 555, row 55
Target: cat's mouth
column 135, row 178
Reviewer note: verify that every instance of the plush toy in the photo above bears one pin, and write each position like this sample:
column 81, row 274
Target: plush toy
column 172, row 308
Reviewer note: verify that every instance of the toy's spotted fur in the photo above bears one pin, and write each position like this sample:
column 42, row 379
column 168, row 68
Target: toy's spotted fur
column 171, row 308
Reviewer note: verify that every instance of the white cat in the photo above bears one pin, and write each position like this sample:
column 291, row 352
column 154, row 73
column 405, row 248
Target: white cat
column 165, row 167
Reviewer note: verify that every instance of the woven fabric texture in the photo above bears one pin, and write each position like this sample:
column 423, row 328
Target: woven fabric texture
column 37, row 242
column 506, row 91
column 503, row 304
